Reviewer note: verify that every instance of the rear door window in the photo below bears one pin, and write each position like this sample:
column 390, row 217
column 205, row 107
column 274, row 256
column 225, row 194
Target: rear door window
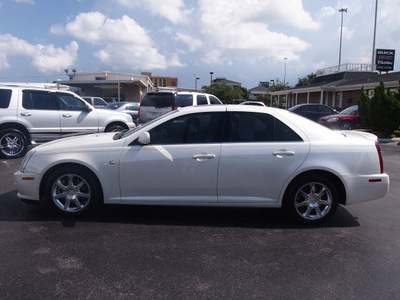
column 5, row 97
column 201, row 100
column 256, row 127
column 184, row 100
column 158, row 100
column 38, row 100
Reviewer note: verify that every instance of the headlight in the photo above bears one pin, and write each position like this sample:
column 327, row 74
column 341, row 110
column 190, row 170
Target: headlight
column 332, row 120
column 26, row 160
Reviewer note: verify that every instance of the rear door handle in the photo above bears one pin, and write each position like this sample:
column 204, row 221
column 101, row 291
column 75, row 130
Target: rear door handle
column 26, row 114
column 281, row 153
column 203, row 156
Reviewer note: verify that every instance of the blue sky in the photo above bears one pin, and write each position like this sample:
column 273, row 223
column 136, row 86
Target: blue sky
column 243, row 40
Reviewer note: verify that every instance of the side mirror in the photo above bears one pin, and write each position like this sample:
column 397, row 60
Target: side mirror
column 144, row 138
column 87, row 109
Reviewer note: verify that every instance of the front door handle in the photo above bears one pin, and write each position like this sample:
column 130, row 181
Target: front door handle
column 203, row 156
column 282, row 152
column 67, row 115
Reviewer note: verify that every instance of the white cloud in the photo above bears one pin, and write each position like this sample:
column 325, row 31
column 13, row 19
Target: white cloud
column 173, row 10
column 325, row 12
column 124, row 42
column 26, row 1
column 45, row 58
column 192, row 43
column 241, row 28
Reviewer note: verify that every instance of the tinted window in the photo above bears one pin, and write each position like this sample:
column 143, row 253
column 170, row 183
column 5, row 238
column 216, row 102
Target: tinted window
column 201, row 100
column 255, row 127
column 193, row 128
column 326, row 109
column 5, row 97
column 311, row 108
column 69, row 102
column 38, row 100
column 132, row 107
column 99, row 101
column 158, row 100
column 184, row 100
column 214, row 100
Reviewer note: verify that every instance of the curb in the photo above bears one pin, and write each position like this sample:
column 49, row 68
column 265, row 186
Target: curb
column 386, row 141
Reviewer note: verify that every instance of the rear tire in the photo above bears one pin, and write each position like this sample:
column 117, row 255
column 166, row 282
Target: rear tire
column 13, row 143
column 72, row 191
column 311, row 199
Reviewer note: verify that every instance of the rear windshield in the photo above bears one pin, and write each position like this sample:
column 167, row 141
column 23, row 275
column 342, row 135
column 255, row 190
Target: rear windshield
column 183, row 100
column 158, row 100
column 5, row 97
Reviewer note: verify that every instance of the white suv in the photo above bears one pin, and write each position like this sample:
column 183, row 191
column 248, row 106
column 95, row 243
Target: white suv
column 34, row 115
column 155, row 104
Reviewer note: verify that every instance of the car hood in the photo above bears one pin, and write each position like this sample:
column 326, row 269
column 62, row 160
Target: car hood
column 92, row 142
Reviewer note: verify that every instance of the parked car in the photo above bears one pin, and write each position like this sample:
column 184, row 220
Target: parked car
column 216, row 155
column 155, row 104
column 313, row 111
column 95, row 101
column 347, row 119
column 129, row 108
column 35, row 115
column 257, row 103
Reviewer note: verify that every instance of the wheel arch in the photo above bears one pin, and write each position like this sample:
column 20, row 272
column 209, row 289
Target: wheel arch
column 116, row 123
column 47, row 174
column 18, row 126
column 334, row 178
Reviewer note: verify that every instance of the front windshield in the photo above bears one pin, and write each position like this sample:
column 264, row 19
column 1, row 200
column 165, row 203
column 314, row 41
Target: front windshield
column 350, row 110
column 128, row 133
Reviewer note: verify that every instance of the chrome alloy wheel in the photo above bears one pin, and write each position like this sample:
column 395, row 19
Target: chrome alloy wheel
column 12, row 144
column 70, row 193
column 313, row 201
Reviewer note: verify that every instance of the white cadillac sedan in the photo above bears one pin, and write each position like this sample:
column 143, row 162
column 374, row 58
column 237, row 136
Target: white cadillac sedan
column 218, row 155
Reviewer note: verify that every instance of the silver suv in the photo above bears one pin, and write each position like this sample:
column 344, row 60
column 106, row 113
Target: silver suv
column 34, row 115
column 155, row 104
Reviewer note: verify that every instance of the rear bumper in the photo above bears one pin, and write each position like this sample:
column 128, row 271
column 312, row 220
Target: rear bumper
column 366, row 187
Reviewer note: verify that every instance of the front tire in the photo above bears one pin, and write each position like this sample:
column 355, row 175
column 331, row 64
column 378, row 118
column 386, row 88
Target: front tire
column 346, row 125
column 13, row 143
column 72, row 191
column 115, row 128
column 312, row 199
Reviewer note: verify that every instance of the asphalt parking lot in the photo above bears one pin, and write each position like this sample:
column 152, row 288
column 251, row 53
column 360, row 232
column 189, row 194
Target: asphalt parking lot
column 139, row 252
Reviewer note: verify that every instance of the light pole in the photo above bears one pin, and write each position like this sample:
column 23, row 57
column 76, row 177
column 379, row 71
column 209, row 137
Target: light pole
column 284, row 75
column 373, row 44
column 211, row 73
column 197, row 78
column 342, row 10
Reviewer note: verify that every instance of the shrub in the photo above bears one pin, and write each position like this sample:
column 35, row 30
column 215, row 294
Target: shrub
column 382, row 111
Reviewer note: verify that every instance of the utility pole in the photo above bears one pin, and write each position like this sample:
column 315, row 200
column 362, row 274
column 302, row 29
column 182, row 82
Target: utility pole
column 342, row 10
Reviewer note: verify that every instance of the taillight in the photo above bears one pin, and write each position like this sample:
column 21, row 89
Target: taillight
column 174, row 108
column 380, row 156
column 138, row 112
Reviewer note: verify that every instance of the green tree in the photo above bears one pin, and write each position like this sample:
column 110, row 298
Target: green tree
column 306, row 80
column 278, row 86
column 226, row 92
column 382, row 110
